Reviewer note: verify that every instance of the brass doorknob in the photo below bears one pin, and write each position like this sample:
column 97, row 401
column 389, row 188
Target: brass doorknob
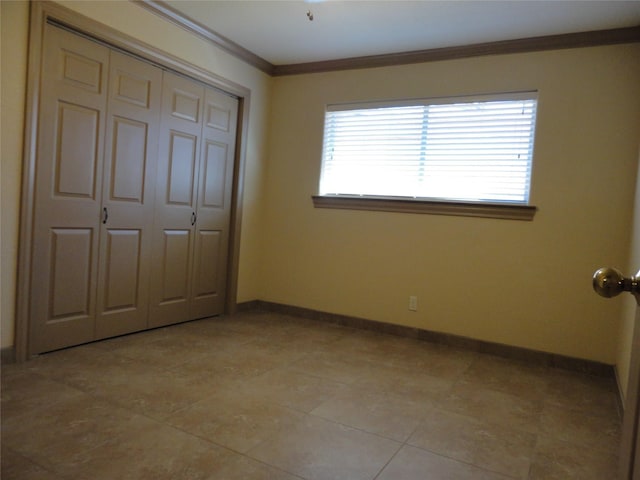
column 609, row 282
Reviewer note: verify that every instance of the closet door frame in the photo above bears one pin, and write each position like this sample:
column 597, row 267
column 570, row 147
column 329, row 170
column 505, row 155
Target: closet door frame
column 43, row 12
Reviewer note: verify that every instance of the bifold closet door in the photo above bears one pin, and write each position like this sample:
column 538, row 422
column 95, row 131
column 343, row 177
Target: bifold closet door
column 131, row 149
column 95, row 178
column 213, row 206
column 68, row 184
column 175, row 215
column 193, row 201
column 133, row 179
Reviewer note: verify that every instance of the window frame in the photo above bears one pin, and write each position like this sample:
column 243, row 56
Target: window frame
column 433, row 207
column 430, row 205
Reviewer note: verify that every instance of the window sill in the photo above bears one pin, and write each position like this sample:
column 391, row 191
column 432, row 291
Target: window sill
column 391, row 204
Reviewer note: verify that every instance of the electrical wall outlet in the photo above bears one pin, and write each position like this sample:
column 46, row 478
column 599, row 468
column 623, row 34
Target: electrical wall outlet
column 413, row 303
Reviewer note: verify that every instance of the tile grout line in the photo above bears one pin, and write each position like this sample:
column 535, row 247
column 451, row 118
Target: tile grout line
column 285, row 366
column 388, row 462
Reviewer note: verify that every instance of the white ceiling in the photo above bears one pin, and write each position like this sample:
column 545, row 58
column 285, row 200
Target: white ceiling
column 281, row 33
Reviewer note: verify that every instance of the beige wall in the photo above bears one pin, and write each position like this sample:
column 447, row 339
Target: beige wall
column 136, row 22
column 526, row 284
column 629, row 305
column 14, row 18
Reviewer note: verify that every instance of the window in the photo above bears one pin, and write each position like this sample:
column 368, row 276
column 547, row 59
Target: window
column 457, row 150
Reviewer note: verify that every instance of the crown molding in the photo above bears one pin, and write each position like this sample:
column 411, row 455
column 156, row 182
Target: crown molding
column 522, row 45
column 168, row 13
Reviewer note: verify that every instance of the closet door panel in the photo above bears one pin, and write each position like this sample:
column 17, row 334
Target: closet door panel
column 122, row 270
column 71, row 251
column 175, row 209
column 76, row 159
column 175, row 266
column 129, row 160
column 206, row 270
column 214, row 204
column 67, row 199
column 182, row 158
column 132, row 129
column 216, row 163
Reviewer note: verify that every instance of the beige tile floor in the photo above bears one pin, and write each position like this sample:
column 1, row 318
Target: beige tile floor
column 268, row 396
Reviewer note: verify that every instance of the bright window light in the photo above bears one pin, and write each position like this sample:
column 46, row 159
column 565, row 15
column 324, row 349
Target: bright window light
column 472, row 150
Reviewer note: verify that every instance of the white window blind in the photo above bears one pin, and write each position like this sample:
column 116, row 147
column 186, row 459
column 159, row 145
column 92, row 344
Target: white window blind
column 452, row 149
